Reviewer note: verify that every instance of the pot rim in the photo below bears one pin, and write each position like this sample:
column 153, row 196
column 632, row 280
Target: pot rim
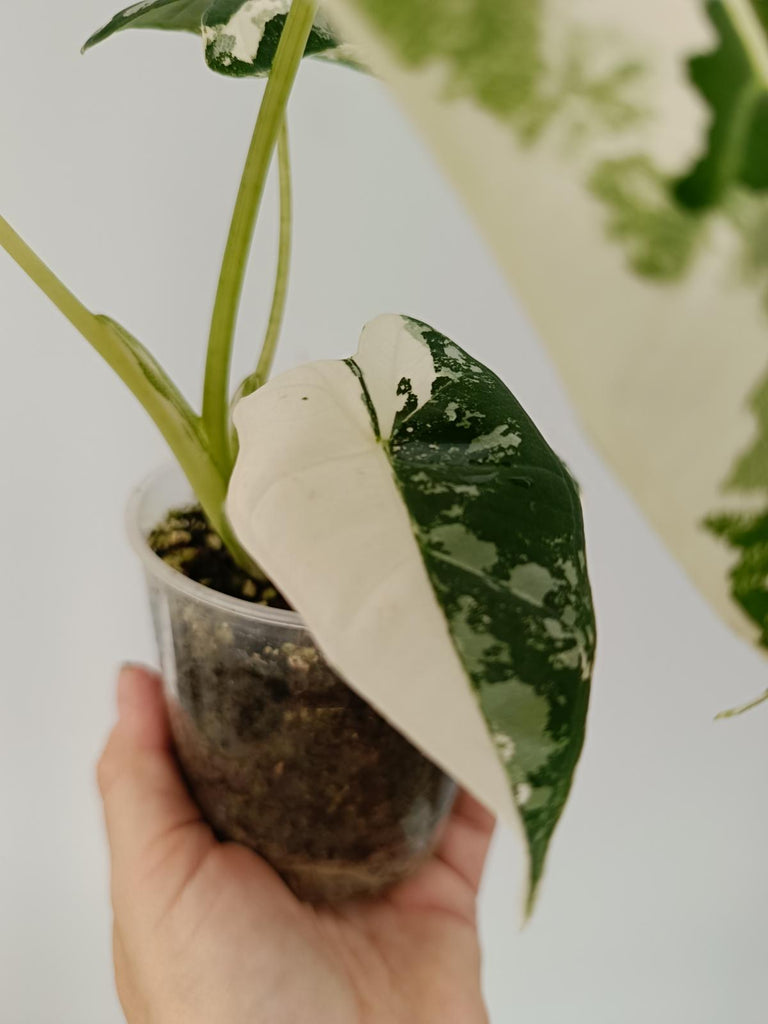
column 170, row 577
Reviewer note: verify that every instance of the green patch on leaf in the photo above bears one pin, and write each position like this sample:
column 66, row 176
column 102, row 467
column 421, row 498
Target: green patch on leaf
column 751, row 471
column 498, row 56
column 659, row 237
column 748, row 535
column 733, row 79
column 747, row 213
column 240, row 36
column 582, row 95
column 493, row 50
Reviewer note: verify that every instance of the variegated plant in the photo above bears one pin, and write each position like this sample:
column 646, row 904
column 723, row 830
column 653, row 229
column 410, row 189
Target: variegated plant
column 275, row 36
column 404, row 502
column 630, row 212
column 409, row 507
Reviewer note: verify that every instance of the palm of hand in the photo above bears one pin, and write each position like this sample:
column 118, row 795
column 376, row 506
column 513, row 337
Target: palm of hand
column 208, row 932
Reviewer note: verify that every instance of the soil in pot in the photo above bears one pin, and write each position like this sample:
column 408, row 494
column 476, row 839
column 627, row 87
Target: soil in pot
column 278, row 751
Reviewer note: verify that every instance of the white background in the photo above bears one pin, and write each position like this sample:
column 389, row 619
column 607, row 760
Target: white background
column 121, row 168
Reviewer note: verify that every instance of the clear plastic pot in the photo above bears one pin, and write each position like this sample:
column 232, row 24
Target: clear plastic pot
column 278, row 751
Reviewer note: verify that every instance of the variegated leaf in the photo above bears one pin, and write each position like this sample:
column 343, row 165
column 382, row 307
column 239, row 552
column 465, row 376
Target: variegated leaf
column 411, row 511
column 566, row 125
column 240, row 36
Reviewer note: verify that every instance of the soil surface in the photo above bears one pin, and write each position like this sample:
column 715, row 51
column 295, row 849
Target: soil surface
column 186, row 541
column 278, row 751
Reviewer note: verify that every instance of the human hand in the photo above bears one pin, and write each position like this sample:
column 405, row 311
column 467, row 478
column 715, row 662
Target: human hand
column 207, row 933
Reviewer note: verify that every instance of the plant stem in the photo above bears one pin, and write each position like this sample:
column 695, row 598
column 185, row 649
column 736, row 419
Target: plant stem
column 261, row 374
column 147, row 380
column 293, row 41
column 277, row 313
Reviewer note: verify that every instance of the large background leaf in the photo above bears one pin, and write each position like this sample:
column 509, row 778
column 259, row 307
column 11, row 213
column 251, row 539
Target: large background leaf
column 733, row 79
column 241, row 36
column 662, row 352
column 412, row 512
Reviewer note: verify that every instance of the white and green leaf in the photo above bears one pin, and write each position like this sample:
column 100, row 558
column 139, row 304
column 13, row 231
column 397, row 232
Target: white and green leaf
column 240, row 36
column 655, row 312
column 414, row 515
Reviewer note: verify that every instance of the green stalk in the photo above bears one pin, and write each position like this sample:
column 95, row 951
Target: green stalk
column 277, row 313
column 216, row 404
column 146, row 379
column 261, row 374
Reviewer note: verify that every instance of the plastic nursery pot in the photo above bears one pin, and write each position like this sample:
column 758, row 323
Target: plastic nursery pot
column 278, row 751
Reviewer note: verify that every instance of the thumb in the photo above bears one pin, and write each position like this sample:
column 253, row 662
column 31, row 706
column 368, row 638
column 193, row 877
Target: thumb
column 156, row 832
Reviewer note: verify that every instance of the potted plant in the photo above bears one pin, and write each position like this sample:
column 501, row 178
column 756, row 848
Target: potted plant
column 367, row 576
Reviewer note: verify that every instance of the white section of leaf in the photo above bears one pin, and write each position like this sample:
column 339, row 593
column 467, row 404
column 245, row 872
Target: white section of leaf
column 505, row 746
column 523, row 793
column 340, row 53
column 246, row 27
column 318, row 508
column 388, row 354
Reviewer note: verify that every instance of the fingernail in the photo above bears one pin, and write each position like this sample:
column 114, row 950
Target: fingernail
column 129, row 670
column 131, row 666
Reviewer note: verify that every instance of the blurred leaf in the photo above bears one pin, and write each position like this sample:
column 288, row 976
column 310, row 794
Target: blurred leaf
column 733, row 79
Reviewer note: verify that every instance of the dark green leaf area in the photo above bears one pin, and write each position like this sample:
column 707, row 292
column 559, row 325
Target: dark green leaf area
column 241, row 37
column 736, row 145
column 170, row 15
column 498, row 520
column 761, row 9
column 747, row 534
column 755, row 168
column 225, row 55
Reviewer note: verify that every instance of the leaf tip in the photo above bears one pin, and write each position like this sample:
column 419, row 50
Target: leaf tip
column 533, row 887
column 530, row 905
column 91, row 41
column 742, row 708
